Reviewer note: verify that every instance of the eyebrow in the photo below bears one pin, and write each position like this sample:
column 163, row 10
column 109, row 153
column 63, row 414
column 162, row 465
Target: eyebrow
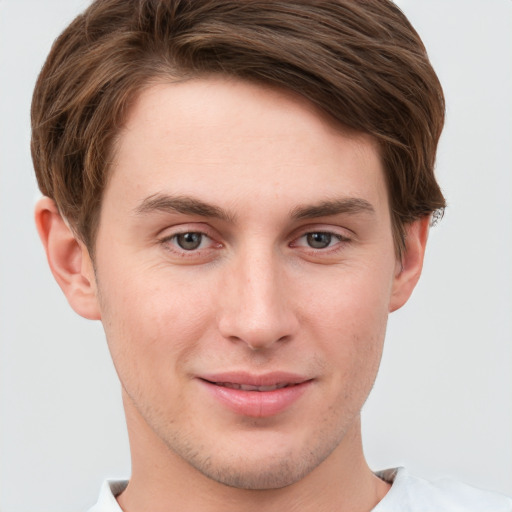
column 349, row 205
column 181, row 204
column 191, row 206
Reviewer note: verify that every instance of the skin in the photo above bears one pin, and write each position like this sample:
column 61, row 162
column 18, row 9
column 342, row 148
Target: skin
column 259, row 175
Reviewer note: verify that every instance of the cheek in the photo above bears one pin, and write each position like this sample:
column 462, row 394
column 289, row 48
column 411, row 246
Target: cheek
column 352, row 300
column 348, row 318
column 151, row 324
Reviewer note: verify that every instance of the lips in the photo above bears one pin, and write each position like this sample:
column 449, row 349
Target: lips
column 249, row 387
column 256, row 396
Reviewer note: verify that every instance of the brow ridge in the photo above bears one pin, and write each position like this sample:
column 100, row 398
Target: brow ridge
column 191, row 206
column 181, row 204
column 348, row 205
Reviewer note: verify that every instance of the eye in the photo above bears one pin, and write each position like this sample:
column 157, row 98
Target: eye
column 319, row 240
column 189, row 241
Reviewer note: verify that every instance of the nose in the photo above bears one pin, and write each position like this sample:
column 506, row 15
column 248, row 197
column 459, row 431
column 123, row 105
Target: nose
column 256, row 303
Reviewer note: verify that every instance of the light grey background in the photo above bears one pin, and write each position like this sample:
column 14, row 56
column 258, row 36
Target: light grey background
column 442, row 404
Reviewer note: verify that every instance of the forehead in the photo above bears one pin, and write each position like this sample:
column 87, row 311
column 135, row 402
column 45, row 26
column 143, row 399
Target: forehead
column 228, row 140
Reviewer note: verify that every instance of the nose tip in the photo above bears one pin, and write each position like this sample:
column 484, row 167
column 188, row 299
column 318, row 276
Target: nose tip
column 258, row 320
column 256, row 339
column 257, row 308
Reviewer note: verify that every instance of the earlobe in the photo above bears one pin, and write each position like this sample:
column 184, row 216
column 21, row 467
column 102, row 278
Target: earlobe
column 68, row 258
column 408, row 271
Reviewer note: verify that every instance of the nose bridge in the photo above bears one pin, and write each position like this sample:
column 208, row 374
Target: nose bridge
column 256, row 309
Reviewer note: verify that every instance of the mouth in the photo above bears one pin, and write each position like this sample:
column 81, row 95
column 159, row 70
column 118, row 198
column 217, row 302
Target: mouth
column 250, row 387
column 256, row 396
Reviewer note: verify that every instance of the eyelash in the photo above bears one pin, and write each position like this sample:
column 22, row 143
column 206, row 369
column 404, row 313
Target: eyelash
column 332, row 237
column 171, row 244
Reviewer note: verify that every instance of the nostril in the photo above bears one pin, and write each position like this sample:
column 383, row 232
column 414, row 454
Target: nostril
column 258, row 313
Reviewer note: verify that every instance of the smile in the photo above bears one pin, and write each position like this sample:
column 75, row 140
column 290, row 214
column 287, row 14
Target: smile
column 249, row 387
column 256, row 396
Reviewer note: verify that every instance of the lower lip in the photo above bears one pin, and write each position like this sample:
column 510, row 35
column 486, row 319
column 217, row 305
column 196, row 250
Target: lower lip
column 257, row 404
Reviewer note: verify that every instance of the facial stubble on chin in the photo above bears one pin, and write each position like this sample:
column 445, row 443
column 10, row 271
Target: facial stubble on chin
column 274, row 472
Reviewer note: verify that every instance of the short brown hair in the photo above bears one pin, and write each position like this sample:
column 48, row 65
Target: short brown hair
column 361, row 61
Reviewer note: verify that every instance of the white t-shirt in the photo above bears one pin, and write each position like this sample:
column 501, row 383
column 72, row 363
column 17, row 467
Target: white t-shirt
column 411, row 494
column 407, row 494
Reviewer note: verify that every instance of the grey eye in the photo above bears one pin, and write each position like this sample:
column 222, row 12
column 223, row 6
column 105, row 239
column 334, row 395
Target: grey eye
column 189, row 241
column 319, row 240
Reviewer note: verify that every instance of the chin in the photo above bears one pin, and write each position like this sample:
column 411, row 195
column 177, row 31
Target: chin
column 257, row 464
column 258, row 476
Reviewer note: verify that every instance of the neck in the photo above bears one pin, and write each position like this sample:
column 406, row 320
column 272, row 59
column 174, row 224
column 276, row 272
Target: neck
column 161, row 481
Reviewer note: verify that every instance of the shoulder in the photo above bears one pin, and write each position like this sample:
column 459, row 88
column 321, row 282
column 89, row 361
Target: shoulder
column 412, row 494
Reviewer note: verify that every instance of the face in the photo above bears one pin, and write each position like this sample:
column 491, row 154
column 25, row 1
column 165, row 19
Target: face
column 244, row 270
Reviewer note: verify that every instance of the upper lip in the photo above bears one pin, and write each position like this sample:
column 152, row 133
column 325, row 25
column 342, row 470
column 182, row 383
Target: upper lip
column 252, row 379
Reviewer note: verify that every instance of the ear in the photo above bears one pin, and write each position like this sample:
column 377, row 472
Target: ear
column 408, row 270
column 68, row 258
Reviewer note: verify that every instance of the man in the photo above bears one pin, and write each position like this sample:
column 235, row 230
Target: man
column 241, row 192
